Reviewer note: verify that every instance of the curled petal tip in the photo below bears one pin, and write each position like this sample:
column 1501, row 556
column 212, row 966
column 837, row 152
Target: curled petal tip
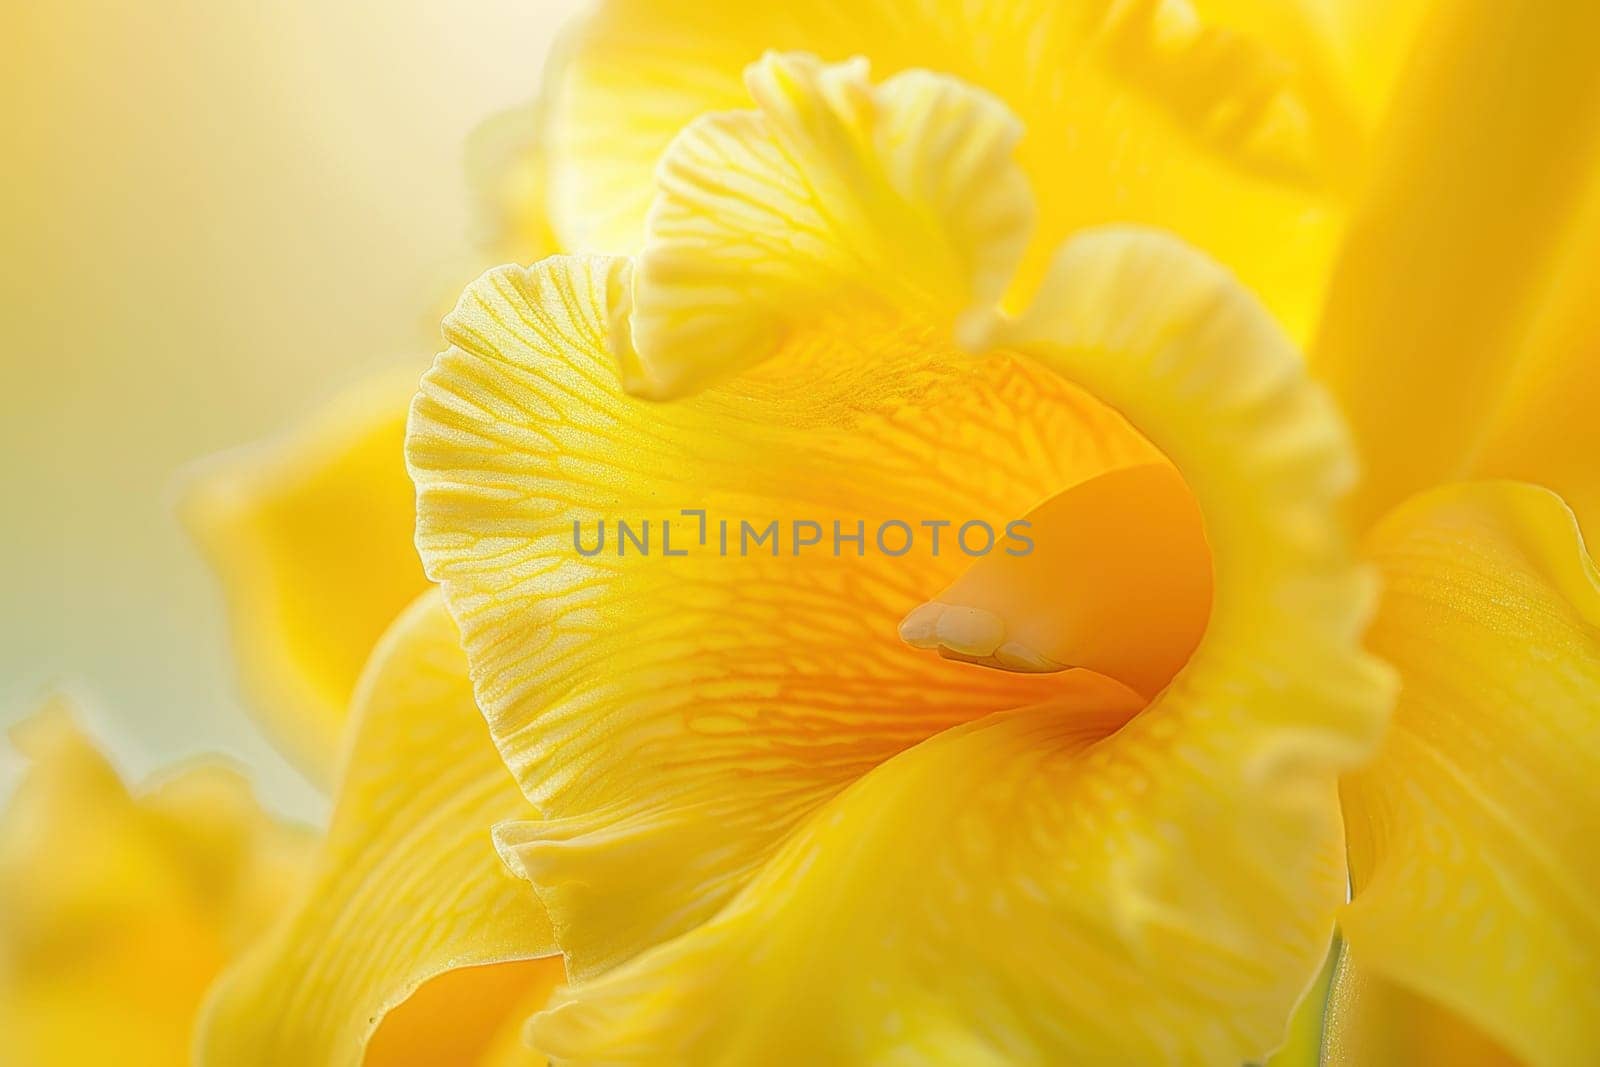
column 972, row 635
column 919, row 628
column 966, row 631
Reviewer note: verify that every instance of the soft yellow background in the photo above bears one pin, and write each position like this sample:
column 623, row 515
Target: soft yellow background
column 214, row 213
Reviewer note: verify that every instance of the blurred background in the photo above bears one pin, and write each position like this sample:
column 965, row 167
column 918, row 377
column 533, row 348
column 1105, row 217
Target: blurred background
column 215, row 214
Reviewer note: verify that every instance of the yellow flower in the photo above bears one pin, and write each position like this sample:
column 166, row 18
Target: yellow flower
column 121, row 907
column 1169, row 114
column 768, row 829
column 753, row 794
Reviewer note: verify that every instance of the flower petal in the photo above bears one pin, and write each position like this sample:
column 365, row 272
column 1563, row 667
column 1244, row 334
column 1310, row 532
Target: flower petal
column 1372, row 1020
column 1172, row 341
column 407, row 884
column 510, row 1047
column 1483, row 163
column 675, row 717
column 506, row 173
column 833, row 188
column 1471, row 836
column 1302, row 1046
column 1545, row 431
column 1216, row 119
column 311, row 537
column 1371, row 41
column 1087, row 865
column 468, row 1017
column 1002, row 893
column 120, row 908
